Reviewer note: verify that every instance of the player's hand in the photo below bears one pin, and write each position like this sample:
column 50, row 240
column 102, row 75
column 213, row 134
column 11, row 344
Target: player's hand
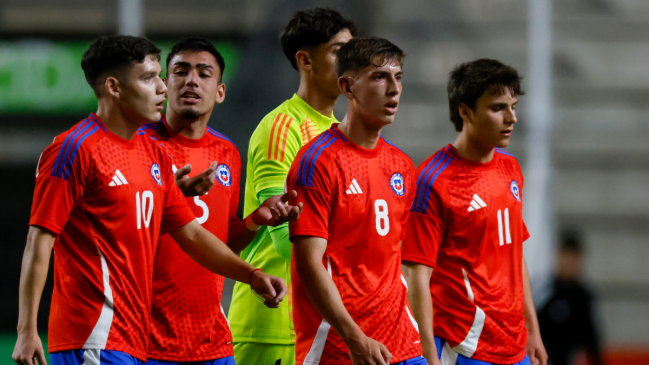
column 367, row 351
column 535, row 349
column 198, row 185
column 274, row 211
column 270, row 288
column 29, row 348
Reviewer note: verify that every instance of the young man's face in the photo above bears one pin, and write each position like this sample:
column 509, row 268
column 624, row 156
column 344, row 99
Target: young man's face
column 376, row 90
column 492, row 121
column 193, row 84
column 323, row 60
column 142, row 92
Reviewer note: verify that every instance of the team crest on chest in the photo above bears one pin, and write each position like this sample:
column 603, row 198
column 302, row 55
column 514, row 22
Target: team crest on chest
column 514, row 189
column 396, row 183
column 155, row 173
column 223, row 175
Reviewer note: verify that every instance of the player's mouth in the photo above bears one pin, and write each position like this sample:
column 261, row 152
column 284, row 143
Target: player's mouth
column 391, row 107
column 507, row 132
column 190, row 97
column 160, row 106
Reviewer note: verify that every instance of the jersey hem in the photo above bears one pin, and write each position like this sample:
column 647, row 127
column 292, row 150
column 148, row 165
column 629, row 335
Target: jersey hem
column 187, row 358
column 500, row 359
column 417, row 259
column 140, row 355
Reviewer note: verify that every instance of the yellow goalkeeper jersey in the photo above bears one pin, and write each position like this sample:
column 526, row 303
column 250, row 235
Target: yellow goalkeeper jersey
column 273, row 146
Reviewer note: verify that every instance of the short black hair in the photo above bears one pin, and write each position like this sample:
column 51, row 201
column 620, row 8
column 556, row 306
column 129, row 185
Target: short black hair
column 470, row 80
column 196, row 44
column 112, row 53
column 310, row 28
column 570, row 240
column 359, row 53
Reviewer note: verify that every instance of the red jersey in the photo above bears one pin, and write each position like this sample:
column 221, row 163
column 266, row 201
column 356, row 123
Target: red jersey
column 108, row 199
column 358, row 200
column 188, row 323
column 467, row 223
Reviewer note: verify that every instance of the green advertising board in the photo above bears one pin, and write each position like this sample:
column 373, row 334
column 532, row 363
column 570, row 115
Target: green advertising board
column 45, row 77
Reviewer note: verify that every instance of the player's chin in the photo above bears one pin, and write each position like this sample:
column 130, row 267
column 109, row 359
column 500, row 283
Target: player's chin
column 502, row 142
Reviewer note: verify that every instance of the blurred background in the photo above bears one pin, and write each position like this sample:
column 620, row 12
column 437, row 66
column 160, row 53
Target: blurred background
column 581, row 137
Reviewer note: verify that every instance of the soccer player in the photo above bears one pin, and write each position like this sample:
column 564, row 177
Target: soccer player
column 103, row 196
column 357, row 190
column 464, row 240
column 187, row 321
column 310, row 42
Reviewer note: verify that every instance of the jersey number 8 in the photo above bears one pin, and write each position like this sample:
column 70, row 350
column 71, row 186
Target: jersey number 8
column 382, row 218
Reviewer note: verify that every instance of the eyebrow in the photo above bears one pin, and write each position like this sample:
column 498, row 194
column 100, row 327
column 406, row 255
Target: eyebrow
column 189, row 65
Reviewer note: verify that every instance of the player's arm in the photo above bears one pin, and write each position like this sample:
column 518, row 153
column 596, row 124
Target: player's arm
column 36, row 262
column 308, row 252
column 207, row 250
column 420, row 300
column 272, row 212
column 535, row 349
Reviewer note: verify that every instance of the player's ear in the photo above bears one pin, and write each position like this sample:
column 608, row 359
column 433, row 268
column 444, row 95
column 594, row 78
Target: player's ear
column 220, row 93
column 465, row 112
column 303, row 60
column 111, row 86
column 345, row 85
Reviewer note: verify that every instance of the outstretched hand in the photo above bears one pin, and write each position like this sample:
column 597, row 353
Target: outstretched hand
column 197, row 185
column 274, row 211
column 270, row 288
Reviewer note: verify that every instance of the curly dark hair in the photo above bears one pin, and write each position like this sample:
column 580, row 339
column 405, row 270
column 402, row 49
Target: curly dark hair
column 470, row 80
column 359, row 53
column 310, row 28
column 197, row 44
column 113, row 53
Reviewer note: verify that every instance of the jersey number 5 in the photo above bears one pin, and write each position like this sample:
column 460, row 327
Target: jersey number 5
column 144, row 208
column 382, row 218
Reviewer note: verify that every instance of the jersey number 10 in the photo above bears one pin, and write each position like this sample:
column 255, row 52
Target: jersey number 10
column 144, row 208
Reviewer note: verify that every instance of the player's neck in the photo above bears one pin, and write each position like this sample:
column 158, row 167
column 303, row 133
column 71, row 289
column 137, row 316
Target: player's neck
column 359, row 132
column 116, row 122
column 323, row 104
column 190, row 128
column 472, row 149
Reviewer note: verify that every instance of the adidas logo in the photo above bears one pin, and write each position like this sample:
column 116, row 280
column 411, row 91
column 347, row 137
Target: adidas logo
column 476, row 203
column 118, row 179
column 354, row 188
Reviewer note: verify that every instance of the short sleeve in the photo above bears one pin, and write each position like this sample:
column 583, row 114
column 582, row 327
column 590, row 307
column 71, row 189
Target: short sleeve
column 273, row 148
column 314, row 186
column 410, row 190
column 234, row 199
column 176, row 212
column 424, row 232
column 60, row 180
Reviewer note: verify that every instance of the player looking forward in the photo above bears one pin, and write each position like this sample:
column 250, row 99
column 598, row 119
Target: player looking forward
column 310, row 41
column 187, row 321
column 357, row 189
column 464, row 242
column 103, row 196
